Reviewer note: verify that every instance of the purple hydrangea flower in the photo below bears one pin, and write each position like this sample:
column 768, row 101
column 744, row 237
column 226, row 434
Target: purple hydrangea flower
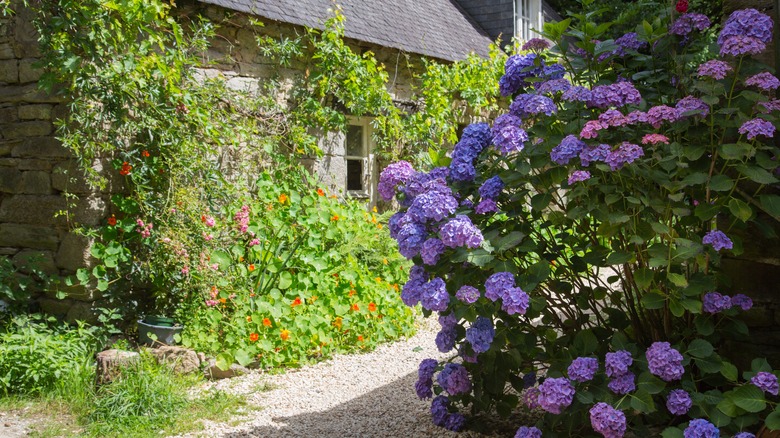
column 701, row 428
column 462, row 170
column 714, row 302
column 629, row 41
column 431, row 250
column 764, row 80
column 486, row 206
column 410, row 239
column 617, row 95
column 454, row 379
column 577, row 94
column 578, row 175
column 626, row 153
column 393, row 175
column 622, row 384
column 768, row 107
column 497, row 284
column 434, row 295
column 422, row 182
column 460, row 231
column 664, row 361
column 516, row 70
column 395, row 222
column 714, row 69
column 446, row 339
column 662, row 113
column 424, row 389
column 678, row 402
column 448, row 321
column 426, row 369
column 583, row 369
column 553, row 86
column 617, row 363
column 596, row 153
column 766, row 382
column 612, row 118
column 755, row 127
column 454, row 422
column 434, row 205
column 569, row 148
column 515, row 301
column 528, row 432
column 608, row 421
column 744, row 435
column 536, row 44
column 749, row 23
column 743, row 301
column 686, row 23
column 478, row 132
column 592, row 128
column 467, row 357
column 439, row 410
column 635, row 117
column 480, row 335
column 467, row 203
column 553, row 71
column 555, row 394
column 530, row 397
column 690, row 103
column 510, row 139
column 491, row 188
column 718, row 240
column 467, row 294
column 526, row 105
column 413, row 288
column 739, row 45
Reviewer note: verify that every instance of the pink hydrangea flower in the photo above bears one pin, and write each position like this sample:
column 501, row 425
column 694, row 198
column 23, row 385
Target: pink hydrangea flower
column 655, row 139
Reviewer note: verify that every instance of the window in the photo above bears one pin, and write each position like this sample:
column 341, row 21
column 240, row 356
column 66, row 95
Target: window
column 528, row 17
column 356, row 148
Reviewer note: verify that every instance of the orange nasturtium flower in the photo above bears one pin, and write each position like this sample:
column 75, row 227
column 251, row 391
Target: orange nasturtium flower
column 251, row 267
column 112, row 220
column 249, row 318
column 254, row 337
column 282, row 198
column 285, row 334
column 371, row 307
column 126, row 168
column 266, row 322
column 360, row 338
column 338, row 322
column 335, row 217
column 355, row 307
column 223, row 300
column 321, row 192
column 352, row 292
column 296, row 302
column 145, row 154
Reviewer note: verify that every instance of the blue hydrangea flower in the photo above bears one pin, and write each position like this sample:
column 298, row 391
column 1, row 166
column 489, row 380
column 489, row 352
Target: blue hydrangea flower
column 536, row 104
column 421, row 182
column 718, row 240
column 617, row 363
column 583, row 369
column 454, row 379
column 516, row 70
column 434, row 205
column 577, row 94
column 424, row 389
column 491, row 188
column 410, row 239
column 608, row 421
column 578, row 175
column 460, row 231
column 570, row 147
column 479, row 133
column 454, row 422
column 446, row 339
column 528, row 432
column 630, row 41
column 426, row 369
column 664, row 361
column 714, row 302
column 397, row 173
column 701, row 428
column 467, row 294
column 553, row 86
column 413, row 288
column 486, row 206
column 480, row 335
column 748, row 23
column 626, row 153
column 755, row 127
column 510, row 139
column 622, row 384
column 395, row 222
column 515, row 301
column 462, row 170
column 434, row 295
column 743, row 301
column 614, row 95
column 439, row 410
column 553, row 71
column 595, row 153
column 744, row 435
column 678, row 402
column 555, row 394
column 497, row 284
column 766, row 382
column 431, row 250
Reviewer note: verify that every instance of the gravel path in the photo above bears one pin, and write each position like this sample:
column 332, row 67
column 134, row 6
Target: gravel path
column 360, row 395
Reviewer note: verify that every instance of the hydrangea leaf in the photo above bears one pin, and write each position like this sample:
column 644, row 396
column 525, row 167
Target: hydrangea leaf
column 772, row 421
column 749, row 398
column 700, row 348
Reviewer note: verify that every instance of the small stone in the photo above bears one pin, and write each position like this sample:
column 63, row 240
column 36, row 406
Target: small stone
column 181, row 360
column 215, row 373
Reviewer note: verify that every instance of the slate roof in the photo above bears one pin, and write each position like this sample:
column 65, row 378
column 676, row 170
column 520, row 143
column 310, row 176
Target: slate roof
column 434, row 28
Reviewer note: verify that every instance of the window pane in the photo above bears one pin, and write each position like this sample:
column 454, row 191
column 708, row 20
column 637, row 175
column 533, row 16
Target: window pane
column 354, row 174
column 355, row 141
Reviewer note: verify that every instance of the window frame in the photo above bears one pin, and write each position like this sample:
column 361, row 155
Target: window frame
column 528, row 16
column 366, row 174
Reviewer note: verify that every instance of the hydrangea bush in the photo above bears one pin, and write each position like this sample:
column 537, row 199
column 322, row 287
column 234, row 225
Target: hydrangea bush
column 572, row 249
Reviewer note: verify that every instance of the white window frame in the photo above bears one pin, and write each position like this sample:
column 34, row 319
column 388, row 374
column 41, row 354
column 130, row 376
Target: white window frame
column 367, row 176
column 528, row 17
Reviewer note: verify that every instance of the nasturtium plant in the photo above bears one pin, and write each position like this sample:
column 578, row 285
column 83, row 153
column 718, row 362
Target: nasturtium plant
column 572, row 249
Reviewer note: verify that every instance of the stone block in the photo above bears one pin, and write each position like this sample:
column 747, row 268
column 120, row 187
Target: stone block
column 54, row 306
column 9, row 71
column 9, row 162
column 26, row 129
column 28, row 72
column 35, row 182
column 28, row 236
column 8, row 251
column 213, row 372
column 6, row 51
column 8, row 114
column 68, row 177
column 110, row 364
column 90, row 210
column 59, row 112
column 73, row 252
column 29, row 261
column 10, row 180
column 181, row 360
column 82, row 311
column 40, row 147
column 77, row 292
column 35, row 164
column 29, row 93
column 35, row 112
column 34, row 210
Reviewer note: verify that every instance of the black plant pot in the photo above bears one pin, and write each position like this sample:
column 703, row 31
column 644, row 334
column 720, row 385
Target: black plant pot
column 164, row 329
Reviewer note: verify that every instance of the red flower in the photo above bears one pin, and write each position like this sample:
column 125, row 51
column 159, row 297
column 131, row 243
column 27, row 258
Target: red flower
column 112, row 220
column 321, row 192
column 251, row 267
column 126, row 168
column 360, row 338
column 296, row 302
column 355, row 307
column 371, row 307
column 145, row 154
column 266, row 322
column 682, row 6
column 254, row 337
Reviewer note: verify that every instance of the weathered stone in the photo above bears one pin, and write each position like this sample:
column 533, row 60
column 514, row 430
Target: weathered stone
column 5, row 148
column 8, row 251
column 10, row 180
column 68, row 177
column 28, row 236
column 9, row 71
column 28, row 93
column 26, row 129
column 8, row 114
column 213, row 372
column 54, row 306
column 74, row 252
column 30, row 260
column 59, row 112
column 28, row 72
column 40, row 147
column 76, row 293
column 6, row 51
column 35, row 182
column 34, row 164
column 181, row 360
column 35, row 112
column 110, row 364
column 82, row 311
column 90, row 210
column 34, row 210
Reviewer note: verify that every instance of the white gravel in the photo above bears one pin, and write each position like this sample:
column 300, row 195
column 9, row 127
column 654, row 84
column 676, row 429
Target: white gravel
column 359, row 395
